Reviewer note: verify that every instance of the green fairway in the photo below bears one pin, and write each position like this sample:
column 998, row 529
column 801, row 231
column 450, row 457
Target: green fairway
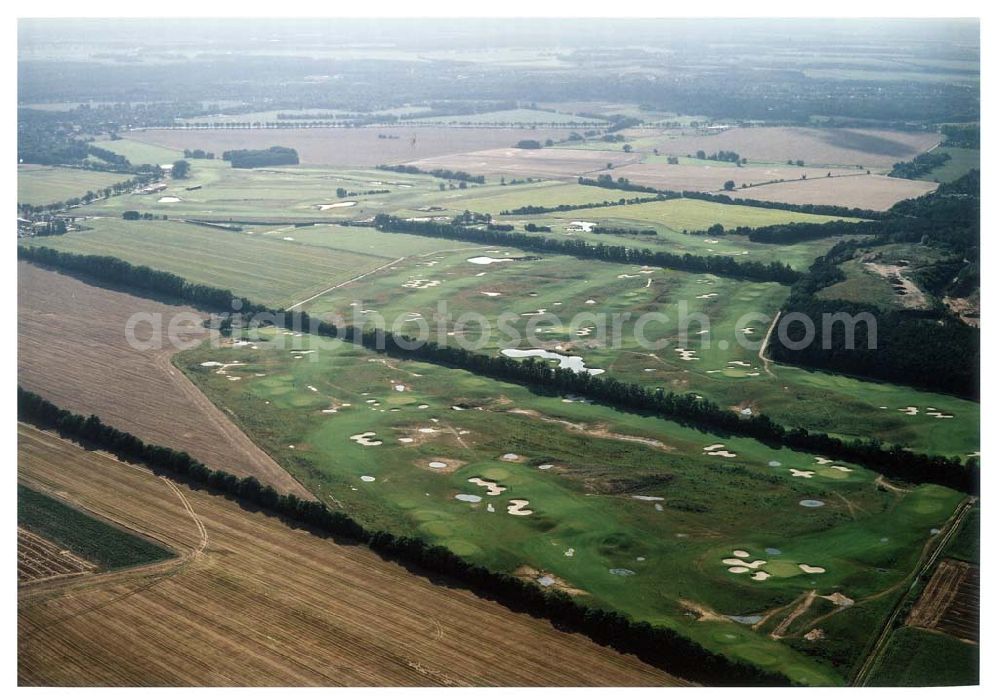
column 962, row 160
column 142, row 153
column 109, row 547
column 632, row 510
column 40, row 184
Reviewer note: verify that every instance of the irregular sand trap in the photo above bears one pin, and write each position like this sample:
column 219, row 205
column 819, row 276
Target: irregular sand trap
column 801, row 473
column 365, row 439
column 739, row 570
column 545, row 466
column 721, row 452
column 489, row 508
column 471, row 498
column 809, row 569
column 168, row 200
column 510, row 457
column 492, row 488
column 742, row 364
column 842, row 468
column 569, row 552
column 838, row 599
column 405, row 440
column 422, row 283
column 585, row 226
column 706, row 295
column 912, row 411
column 732, row 561
column 590, row 301
column 435, row 463
column 759, row 576
column 367, row 478
column 518, row 507
column 491, row 294
column 741, row 553
column 712, row 447
column 422, row 407
column 339, row 204
column 312, row 388
column 812, row 503
column 646, row 498
column 288, row 239
column 687, row 354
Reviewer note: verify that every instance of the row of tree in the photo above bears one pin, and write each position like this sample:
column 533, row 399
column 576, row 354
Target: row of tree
column 656, row 645
column 123, row 187
column 270, row 157
column 534, row 209
column 920, row 166
column 718, row 265
column 894, row 461
column 458, row 175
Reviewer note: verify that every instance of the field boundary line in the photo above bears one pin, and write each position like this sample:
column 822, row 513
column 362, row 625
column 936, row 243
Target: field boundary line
column 763, row 346
column 344, row 283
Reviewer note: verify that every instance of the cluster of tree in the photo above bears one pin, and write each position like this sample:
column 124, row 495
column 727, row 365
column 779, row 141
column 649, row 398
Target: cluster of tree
column 920, row 165
column 136, row 216
column 457, row 175
column 533, row 228
column 528, row 144
column 656, row 645
column 961, row 136
column 273, row 156
column 721, row 156
column 199, row 154
column 894, row 461
column 54, row 226
column 719, row 265
column 930, row 348
column 608, row 182
column 181, row 169
column 604, row 230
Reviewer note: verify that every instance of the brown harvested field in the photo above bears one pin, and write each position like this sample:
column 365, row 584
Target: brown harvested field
column 251, row 601
column 713, row 177
column 873, row 192
column 521, row 162
column 876, row 149
column 72, row 349
column 39, row 558
column 950, row 602
column 358, row 147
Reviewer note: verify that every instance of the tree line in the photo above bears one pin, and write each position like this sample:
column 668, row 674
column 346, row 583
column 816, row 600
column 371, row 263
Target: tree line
column 894, row 460
column 459, row 175
column 107, row 192
column 532, row 209
column 270, row 157
column 920, row 165
column 718, row 265
column 658, row 646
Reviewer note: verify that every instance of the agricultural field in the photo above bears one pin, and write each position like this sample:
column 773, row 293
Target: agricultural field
column 817, row 147
column 514, row 117
column 40, row 559
column 605, row 504
column 526, row 162
column 139, row 153
column 950, row 602
column 695, row 175
column 84, row 536
column 40, row 184
column 874, row 192
column 352, row 147
column 72, row 349
column 252, row 602
column 918, row 657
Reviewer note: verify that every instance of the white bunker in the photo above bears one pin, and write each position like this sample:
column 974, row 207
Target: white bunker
column 573, row 363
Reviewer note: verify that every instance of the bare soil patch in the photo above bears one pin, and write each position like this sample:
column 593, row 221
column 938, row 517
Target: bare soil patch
column 690, row 177
column 72, row 349
column 264, row 604
column 39, row 558
column 873, row 192
column 950, row 602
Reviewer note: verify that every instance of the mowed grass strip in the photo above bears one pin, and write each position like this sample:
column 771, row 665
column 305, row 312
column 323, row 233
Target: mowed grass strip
column 276, row 272
column 109, row 547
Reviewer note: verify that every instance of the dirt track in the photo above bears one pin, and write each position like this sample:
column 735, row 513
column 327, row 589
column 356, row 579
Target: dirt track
column 72, row 350
column 265, row 604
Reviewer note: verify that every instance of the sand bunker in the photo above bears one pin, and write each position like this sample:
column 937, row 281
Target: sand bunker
column 741, row 553
column 759, row 576
column 687, row 354
column 471, row 498
column 820, row 460
column 422, row 283
column 339, row 204
column 801, row 473
column 367, row 478
column 812, row 503
column 518, row 507
column 583, row 226
column 718, row 450
column 491, row 294
column 365, row 439
column 487, row 260
column 434, row 463
column 842, row 468
column 739, row 570
column 706, row 295
column 809, row 569
column 545, row 466
column 168, row 200
column 646, row 498
column 492, row 488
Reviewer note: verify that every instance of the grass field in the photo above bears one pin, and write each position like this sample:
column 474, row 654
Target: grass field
column 253, row 602
column 633, row 510
column 962, row 160
column 918, row 657
column 139, row 153
column 40, row 184
column 274, row 271
column 73, row 350
column 110, row 547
